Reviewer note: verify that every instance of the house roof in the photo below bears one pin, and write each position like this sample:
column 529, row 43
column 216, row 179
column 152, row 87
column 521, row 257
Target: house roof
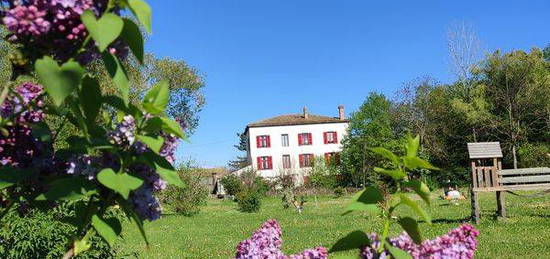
column 484, row 150
column 295, row 119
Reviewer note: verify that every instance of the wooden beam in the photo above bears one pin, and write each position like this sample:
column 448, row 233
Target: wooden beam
column 536, row 170
column 501, row 204
column 526, row 179
column 524, row 187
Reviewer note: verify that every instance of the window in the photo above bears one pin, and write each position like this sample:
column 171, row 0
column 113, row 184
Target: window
column 330, row 137
column 306, row 160
column 263, row 141
column 332, row 157
column 286, row 161
column 264, row 163
column 284, row 140
column 304, row 139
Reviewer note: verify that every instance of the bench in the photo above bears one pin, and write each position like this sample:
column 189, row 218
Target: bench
column 488, row 176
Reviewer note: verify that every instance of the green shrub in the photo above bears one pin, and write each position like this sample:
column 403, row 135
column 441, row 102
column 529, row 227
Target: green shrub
column 339, row 191
column 231, row 184
column 323, row 175
column 186, row 200
column 534, row 155
column 40, row 234
column 249, row 200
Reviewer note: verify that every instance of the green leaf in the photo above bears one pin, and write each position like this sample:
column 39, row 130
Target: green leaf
column 163, row 168
column 353, row 240
column 109, row 230
column 416, row 208
column 420, row 188
column 143, row 12
column 396, row 252
column 118, row 74
column 131, row 214
column 59, row 82
column 153, row 125
column 411, row 226
column 157, row 98
column 132, row 36
column 412, row 145
column 90, row 99
column 42, row 132
column 115, row 102
column 366, row 200
column 81, row 246
column 396, row 174
column 154, row 143
column 70, row 188
column 416, row 162
column 172, row 126
column 105, row 30
column 122, row 183
column 10, row 176
column 386, row 154
column 340, row 256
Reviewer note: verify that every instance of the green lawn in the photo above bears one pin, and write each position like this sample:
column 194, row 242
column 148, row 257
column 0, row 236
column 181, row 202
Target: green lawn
column 219, row 227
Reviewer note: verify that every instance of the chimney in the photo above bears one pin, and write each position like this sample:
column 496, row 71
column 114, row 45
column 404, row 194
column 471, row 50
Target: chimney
column 305, row 112
column 341, row 113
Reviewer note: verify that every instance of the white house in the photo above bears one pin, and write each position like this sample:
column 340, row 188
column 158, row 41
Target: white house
column 288, row 144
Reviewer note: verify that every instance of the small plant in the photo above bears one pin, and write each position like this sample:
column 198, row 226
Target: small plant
column 231, row 184
column 383, row 202
column 290, row 198
column 248, row 200
column 186, row 200
column 339, row 191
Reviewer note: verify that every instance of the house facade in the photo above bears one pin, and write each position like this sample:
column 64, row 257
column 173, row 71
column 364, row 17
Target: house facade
column 288, row 144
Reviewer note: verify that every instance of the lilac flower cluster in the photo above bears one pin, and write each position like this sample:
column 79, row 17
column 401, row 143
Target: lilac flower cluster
column 266, row 243
column 124, row 134
column 459, row 243
column 169, row 147
column 19, row 147
column 83, row 165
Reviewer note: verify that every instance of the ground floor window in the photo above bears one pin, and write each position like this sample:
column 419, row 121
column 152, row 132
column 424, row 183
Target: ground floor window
column 306, row 160
column 265, row 163
column 286, row 162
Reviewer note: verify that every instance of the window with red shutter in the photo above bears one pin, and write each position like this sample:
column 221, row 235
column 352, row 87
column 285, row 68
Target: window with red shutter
column 269, row 163
column 310, row 138
column 327, row 158
column 263, row 141
column 259, row 161
column 330, row 137
column 335, row 137
column 300, row 142
column 301, row 157
column 268, row 141
column 258, row 142
column 325, row 138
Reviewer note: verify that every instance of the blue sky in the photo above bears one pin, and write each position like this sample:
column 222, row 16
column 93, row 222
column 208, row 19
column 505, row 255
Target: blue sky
column 262, row 58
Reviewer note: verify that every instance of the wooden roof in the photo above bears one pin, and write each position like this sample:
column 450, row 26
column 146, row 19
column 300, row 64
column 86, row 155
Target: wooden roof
column 480, row 150
column 295, row 119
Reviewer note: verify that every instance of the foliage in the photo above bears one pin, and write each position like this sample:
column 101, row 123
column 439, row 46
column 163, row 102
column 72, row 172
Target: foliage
column 323, row 174
column 249, row 200
column 240, row 161
column 383, row 202
column 120, row 153
column 231, row 184
column 339, row 191
column 534, row 155
column 186, row 200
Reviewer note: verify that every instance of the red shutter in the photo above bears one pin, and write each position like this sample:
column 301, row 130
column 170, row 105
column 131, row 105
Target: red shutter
column 325, row 137
column 268, row 141
column 258, row 142
column 259, row 161
column 335, row 137
column 300, row 139
column 327, row 158
column 269, row 163
column 301, row 157
column 309, row 138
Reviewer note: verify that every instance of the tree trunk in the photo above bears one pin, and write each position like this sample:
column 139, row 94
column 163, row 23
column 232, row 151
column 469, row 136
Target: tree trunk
column 515, row 156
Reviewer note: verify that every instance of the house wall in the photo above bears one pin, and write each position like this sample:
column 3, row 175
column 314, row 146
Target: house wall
column 276, row 150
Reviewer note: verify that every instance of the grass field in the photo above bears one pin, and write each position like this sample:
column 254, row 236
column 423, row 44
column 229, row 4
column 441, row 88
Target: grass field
column 219, row 227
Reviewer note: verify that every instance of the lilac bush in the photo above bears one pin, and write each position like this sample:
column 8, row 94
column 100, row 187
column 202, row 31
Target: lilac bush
column 266, row 243
column 459, row 243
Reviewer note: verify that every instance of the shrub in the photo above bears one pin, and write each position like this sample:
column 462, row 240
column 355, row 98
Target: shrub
column 40, row 234
column 232, row 184
column 534, row 155
column 323, row 175
column 249, row 200
column 339, row 191
column 186, row 200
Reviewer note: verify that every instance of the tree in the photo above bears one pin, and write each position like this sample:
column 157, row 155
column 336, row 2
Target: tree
column 240, row 161
column 370, row 126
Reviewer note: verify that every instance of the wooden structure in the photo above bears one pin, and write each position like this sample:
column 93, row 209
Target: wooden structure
column 488, row 176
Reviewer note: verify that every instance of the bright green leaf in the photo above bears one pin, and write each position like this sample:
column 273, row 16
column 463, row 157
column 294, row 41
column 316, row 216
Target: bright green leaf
column 396, row 252
column 172, row 126
column 157, row 98
column 118, row 74
column 396, row 174
column 80, row 246
column 10, row 176
column 353, row 240
column 105, row 30
column 420, row 188
column 366, row 200
column 154, row 143
column 412, row 145
column 411, row 226
column 416, row 162
column 386, row 154
column 163, row 168
column 70, row 188
column 143, row 12
column 132, row 36
column 416, row 208
column 109, row 230
column 122, row 183
column 59, row 82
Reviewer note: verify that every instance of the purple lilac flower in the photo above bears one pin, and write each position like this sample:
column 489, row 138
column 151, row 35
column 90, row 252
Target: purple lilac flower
column 124, row 134
column 266, row 243
column 459, row 243
column 84, row 165
column 145, row 203
column 26, row 20
column 169, row 147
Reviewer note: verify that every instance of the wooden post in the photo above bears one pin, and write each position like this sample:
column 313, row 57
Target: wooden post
column 501, row 204
column 475, row 206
